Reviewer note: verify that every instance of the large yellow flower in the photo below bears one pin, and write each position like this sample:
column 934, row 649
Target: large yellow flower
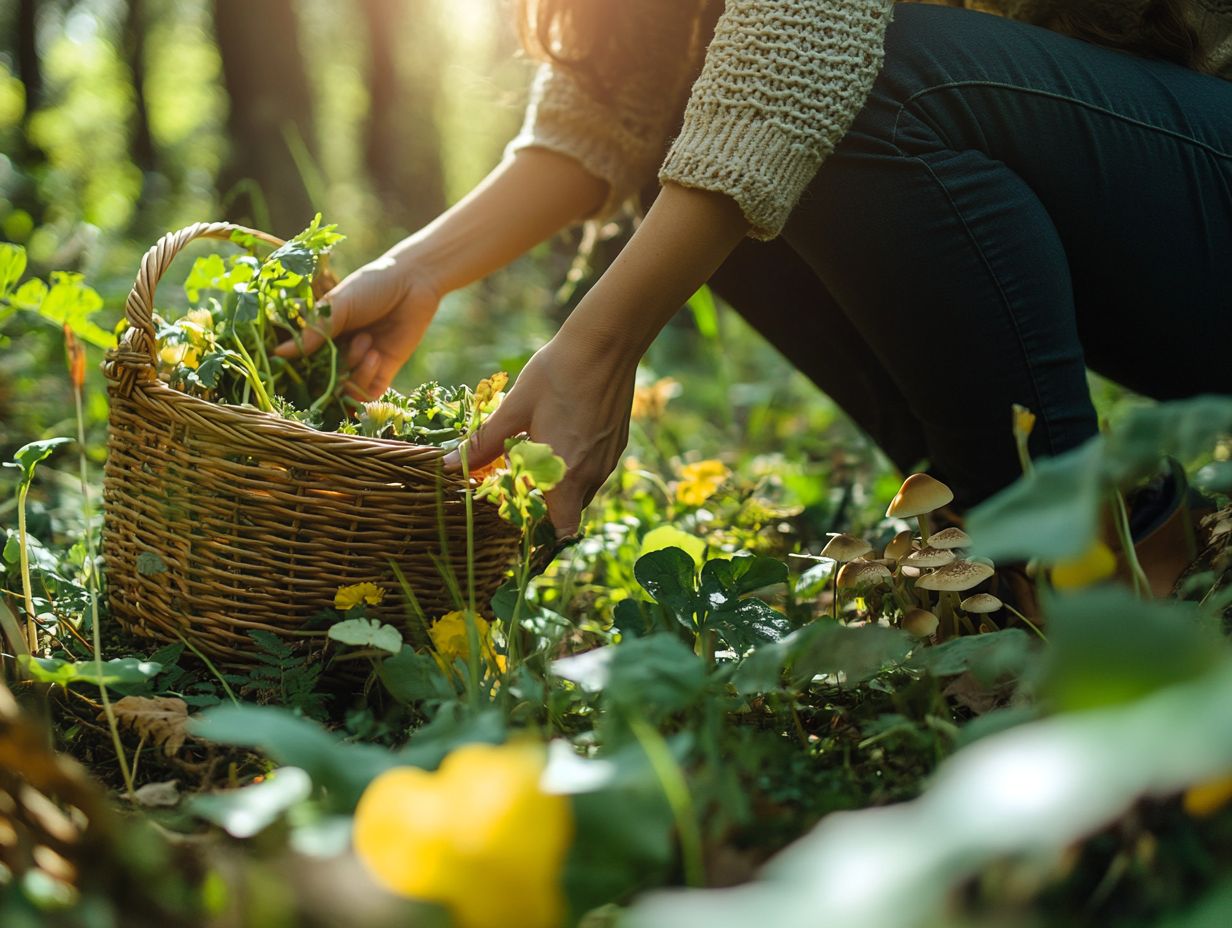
column 700, row 481
column 348, row 597
column 1097, row 564
column 479, row 837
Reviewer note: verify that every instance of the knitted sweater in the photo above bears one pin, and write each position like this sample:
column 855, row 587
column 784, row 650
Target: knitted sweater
column 780, row 84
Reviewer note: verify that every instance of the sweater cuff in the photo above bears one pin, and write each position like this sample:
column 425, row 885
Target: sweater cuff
column 762, row 168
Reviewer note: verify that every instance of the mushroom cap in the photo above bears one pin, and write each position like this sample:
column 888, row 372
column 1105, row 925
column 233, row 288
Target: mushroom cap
column 844, row 548
column 862, row 573
column 911, row 572
column 930, row 557
column 956, row 578
column 902, row 545
column 921, row 623
column 981, row 604
column 918, row 495
column 948, row 538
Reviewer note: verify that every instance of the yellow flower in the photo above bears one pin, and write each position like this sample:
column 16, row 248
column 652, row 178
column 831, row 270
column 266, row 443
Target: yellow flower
column 700, row 481
column 1205, row 799
column 451, row 641
column 478, row 837
column 489, row 388
column 171, row 355
column 200, row 318
column 650, row 402
column 348, row 597
column 1024, row 421
column 1099, row 563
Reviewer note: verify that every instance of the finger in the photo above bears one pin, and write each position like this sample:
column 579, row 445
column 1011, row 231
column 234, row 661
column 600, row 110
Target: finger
column 564, row 510
column 358, row 349
column 488, row 442
column 313, row 337
column 360, row 383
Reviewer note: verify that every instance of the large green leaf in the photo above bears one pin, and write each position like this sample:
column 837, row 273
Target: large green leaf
column 1030, row 792
column 412, row 678
column 123, row 671
column 70, row 302
column 989, row 657
column 341, row 769
column 851, row 654
column 747, row 623
column 668, row 576
column 27, row 457
column 367, row 633
column 245, row 812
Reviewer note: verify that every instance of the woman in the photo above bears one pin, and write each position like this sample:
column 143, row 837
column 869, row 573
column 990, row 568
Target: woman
column 933, row 217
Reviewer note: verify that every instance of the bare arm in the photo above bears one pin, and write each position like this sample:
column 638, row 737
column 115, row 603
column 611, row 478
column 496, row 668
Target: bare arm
column 385, row 306
column 575, row 393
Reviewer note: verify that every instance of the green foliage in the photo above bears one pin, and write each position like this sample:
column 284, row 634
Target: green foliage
column 119, row 672
column 67, row 302
column 367, row 633
column 27, row 457
column 284, row 675
column 243, row 813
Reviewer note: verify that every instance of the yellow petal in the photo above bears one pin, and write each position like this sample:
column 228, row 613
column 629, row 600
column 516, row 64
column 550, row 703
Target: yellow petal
column 1206, row 799
column 1099, row 563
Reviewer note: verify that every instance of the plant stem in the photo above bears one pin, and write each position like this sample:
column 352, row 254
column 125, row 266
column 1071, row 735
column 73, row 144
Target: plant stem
column 252, row 375
column 23, row 546
column 92, row 585
column 209, row 665
column 473, row 657
column 333, row 377
column 1142, row 586
column 676, row 790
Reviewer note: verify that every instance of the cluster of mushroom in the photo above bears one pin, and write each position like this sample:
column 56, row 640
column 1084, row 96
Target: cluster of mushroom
column 912, row 568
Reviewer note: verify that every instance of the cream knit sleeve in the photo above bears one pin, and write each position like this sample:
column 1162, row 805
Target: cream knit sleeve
column 620, row 138
column 782, row 82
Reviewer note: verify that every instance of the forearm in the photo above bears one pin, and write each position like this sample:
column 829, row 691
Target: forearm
column 525, row 200
column 684, row 238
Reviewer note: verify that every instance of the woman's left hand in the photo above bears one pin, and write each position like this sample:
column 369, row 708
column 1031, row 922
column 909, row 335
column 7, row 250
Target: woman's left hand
column 574, row 396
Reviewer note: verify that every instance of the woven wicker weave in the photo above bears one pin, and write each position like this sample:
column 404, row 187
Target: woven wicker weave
column 255, row 520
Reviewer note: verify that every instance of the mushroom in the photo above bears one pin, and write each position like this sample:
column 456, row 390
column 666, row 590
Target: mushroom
column 844, row 548
column 919, row 495
column 951, row 580
column 862, row 573
column 949, row 538
column 921, row 623
column 981, row 604
column 902, row 545
column 931, row 557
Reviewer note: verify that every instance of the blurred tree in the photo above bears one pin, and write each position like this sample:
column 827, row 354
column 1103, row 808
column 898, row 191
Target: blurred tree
column 402, row 143
column 271, row 166
column 29, row 68
column 133, row 46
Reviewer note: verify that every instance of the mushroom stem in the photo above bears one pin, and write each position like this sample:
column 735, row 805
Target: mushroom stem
column 925, row 528
column 947, row 614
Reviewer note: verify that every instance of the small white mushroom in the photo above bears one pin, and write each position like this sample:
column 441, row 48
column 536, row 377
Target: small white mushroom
column 956, row 578
column 921, row 623
column 860, row 573
column 949, row 538
column 919, row 495
column 844, row 548
column 902, row 545
column 981, row 604
column 931, row 557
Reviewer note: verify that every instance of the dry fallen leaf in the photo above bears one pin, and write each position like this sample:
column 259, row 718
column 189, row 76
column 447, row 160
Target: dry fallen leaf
column 161, row 719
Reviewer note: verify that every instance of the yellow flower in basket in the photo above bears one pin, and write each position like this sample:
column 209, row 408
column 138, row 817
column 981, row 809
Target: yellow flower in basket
column 348, row 597
column 478, row 837
column 700, row 481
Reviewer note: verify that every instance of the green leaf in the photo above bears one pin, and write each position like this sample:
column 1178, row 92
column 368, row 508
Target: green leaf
column 705, row 313
column 668, row 576
column 150, row 564
column 30, row 295
column 1053, row 514
column 537, row 461
column 12, row 266
column 367, row 633
column 748, row 623
column 29, row 456
column 412, row 678
column 208, row 273
column 124, row 671
column 854, row 654
column 243, row 813
column 668, row 536
column 989, row 657
column 70, row 302
column 1109, row 647
column 341, row 769
column 655, row 676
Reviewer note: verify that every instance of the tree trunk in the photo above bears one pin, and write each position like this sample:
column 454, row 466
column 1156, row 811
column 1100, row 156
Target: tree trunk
column 402, row 150
column 133, row 46
column 270, row 122
column 29, row 69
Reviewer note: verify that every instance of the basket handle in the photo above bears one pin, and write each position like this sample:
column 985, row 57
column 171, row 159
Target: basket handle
column 139, row 308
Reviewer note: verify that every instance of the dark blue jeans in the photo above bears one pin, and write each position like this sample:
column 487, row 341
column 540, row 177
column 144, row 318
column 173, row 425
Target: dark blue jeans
column 1011, row 207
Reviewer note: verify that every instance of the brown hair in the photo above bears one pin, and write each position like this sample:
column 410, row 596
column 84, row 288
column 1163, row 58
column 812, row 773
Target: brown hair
column 582, row 35
column 1158, row 30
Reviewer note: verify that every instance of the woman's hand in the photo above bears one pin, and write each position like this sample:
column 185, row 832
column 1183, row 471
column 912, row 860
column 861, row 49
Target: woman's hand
column 385, row 308
column 576, row 397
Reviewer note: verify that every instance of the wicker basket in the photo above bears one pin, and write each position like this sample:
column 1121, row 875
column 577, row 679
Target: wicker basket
column 223, row 519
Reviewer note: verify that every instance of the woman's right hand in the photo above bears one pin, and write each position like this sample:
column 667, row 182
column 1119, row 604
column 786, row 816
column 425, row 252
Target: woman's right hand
column 381, row 311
